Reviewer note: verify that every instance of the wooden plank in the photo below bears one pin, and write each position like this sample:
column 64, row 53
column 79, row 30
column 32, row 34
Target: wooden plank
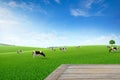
column 55, row 74
column 92, row 71
column 93, row 76
column 86, row 72
column 94, row 66
column 87, row 79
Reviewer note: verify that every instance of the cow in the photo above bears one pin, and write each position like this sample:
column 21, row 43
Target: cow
column 19, row 51
column 113, row 49
column 53, row 49
column 78, row 47
column 108, row 46
column 62, row 49
column 38, row 53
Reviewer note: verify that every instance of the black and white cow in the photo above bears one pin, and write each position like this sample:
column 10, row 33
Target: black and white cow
column 108, row 46
column 53, row 49
column 19, row 51
column 63, row 49
column 78, row 47
column 113, row 49
column 38, row 53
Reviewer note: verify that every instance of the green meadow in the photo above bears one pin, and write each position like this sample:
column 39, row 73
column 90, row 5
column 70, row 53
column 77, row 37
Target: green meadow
column 15, row 66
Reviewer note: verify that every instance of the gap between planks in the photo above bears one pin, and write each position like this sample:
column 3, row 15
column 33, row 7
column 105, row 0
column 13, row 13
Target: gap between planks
column 86, row 72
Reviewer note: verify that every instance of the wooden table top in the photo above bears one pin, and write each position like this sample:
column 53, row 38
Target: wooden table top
column 86, row 72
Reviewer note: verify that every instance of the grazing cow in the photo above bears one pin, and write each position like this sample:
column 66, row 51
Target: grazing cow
column 53, row 49
column 63, row 49
column 78, row 46
column 113, row 49
column 38, row 53
column 19, row 51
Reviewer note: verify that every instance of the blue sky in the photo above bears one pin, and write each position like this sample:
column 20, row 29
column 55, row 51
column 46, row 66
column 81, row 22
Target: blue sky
column 44, row 23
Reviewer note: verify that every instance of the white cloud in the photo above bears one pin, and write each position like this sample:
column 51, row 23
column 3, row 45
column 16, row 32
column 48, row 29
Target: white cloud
column 23, row 37
column 10, row 19
column 99, row 1
column 8, row 22
column 10, row 25
column 78, row 12
column 12, row 4
column 57, row 1
column 24, row 6
column 5, row 13
column 87, row 5
column 46, row 1
column 32, row 39
column 14, row 30
column 7, row 18
column 102, row 40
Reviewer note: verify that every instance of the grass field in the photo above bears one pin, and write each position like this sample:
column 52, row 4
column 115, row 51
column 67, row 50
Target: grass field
column 15, row 66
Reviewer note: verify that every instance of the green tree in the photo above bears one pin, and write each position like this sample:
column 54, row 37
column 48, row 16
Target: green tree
column 112, row 42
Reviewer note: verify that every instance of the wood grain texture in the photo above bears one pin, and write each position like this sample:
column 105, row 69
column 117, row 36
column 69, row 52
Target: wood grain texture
column 86, row 72
column 55, row 74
